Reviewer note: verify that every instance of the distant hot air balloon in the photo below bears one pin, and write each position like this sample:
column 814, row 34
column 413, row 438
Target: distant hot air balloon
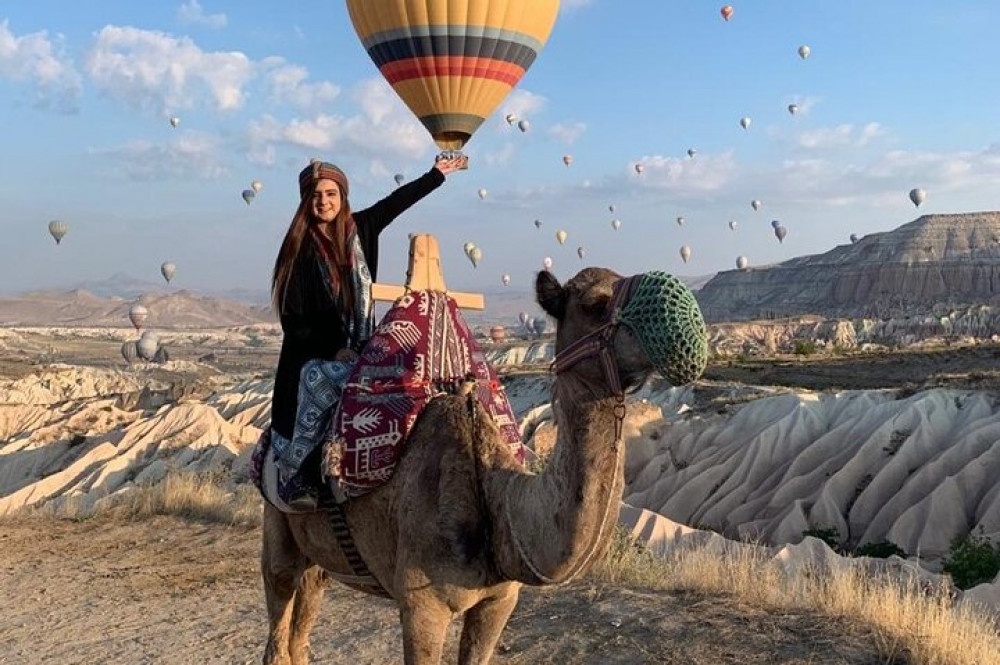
column 756, row 204
column 742, row 262
column 581, row 252
column 147, row 345
column 561, row 236
column 476, row 255
column 804, row 51
column 522, row 317
column 129, row 352
column 538, row 223
column 616, row 224
column 248, row 196
column 793, row 108
column 474, row 50
column 399, row 178
column 510, row 118
column 780, row 232
column 167, row 269
column 918, row 196
column 482, row 194
column 539, row 325
column 568, row 160
column 256, row 186
column 745, row 122
column 692, row 152
column 733, row 224
column 138, row 314
column 685, row 253
column 505, row 279
column 854, row 238
column 775, row 223
column 727, row 12
column 174, row 121
column 639, row 168
column 58, row 229
column 468, row 247
column 547, row 263
column 611, row 208
column 680, row 221
column 529, row 323
column 524, row 126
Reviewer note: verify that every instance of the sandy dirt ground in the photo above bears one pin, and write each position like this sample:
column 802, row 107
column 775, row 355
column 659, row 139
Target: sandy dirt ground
column 167, row 590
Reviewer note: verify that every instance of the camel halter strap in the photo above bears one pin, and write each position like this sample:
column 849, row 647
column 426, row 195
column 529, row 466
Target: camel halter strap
column 597, row 342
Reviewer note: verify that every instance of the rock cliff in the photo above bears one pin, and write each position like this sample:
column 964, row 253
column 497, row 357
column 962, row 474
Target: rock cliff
column 938, row 260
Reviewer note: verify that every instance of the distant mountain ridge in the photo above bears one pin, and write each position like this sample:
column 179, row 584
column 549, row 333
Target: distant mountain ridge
column 934, row 260
column 105, row 303
column 79, row 308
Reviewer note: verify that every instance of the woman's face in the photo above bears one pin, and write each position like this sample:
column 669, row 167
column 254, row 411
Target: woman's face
column 326, row 201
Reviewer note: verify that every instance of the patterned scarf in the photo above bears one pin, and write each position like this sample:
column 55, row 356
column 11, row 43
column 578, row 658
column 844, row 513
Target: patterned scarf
column 358, row 317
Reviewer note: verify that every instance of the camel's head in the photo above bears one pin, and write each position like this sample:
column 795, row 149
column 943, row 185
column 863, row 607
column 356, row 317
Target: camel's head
column 661, row 327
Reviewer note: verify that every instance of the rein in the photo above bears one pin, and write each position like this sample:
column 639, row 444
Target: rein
column 597, row 342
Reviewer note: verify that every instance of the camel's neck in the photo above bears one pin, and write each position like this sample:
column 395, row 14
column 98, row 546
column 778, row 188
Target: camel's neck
column 552, row 525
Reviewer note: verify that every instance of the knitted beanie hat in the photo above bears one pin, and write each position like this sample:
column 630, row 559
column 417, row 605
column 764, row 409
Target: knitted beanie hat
column 317, row 171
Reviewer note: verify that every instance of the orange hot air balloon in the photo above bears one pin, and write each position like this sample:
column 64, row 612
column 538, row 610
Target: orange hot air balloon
column 452, row 62
column 727, row 12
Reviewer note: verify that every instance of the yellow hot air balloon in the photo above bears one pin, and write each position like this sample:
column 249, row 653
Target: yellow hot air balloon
column 453, row 61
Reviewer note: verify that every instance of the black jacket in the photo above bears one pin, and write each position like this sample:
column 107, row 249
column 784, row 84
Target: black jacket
column 311, row 324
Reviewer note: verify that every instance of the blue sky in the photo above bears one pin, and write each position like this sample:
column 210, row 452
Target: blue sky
column 895, row 95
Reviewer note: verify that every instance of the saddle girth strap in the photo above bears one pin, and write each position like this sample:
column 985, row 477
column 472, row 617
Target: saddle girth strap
column 362, row 576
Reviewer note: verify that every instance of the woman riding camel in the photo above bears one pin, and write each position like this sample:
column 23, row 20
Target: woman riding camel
column 321, row 290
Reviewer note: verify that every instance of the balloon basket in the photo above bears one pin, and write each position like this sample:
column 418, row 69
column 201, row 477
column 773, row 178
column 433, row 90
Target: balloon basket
column 454, row 154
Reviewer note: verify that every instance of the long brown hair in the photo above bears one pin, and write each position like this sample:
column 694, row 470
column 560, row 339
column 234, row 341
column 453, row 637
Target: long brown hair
column 291, row 248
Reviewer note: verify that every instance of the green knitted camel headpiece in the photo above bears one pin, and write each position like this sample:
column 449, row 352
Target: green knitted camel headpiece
column 662, row 312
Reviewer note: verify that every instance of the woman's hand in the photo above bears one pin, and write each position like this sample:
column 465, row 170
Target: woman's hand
column 451, row 164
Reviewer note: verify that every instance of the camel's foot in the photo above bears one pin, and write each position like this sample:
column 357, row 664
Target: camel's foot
column 281, row 566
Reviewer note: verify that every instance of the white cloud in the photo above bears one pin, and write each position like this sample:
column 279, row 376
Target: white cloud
column 186, row 157
column 568, row 133
column 383, row 129
column 153, row 70
column 841, row 136
column 287, row 84
column 191, row 13
column 686, row 177
column 522, row 103
column 500, row 157
column 34, row 58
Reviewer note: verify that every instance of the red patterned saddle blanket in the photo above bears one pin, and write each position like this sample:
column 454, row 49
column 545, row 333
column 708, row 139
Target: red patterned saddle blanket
column 421, row 349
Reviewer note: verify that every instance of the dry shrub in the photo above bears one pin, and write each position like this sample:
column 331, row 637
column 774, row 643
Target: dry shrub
column 908, row 620
column 192, row 496
column 210, row 497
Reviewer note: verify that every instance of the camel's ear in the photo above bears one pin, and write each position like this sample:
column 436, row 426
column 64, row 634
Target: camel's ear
column 550, row 294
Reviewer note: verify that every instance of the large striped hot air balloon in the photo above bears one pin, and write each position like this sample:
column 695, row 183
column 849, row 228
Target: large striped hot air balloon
column 453, row 61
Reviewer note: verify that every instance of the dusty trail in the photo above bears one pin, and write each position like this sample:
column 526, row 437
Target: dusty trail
column 167, row 590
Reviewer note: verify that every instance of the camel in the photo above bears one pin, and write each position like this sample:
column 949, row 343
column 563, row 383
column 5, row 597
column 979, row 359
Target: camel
column 461, row 526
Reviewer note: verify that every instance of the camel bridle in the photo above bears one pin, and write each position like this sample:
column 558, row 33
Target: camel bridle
column 600, row 342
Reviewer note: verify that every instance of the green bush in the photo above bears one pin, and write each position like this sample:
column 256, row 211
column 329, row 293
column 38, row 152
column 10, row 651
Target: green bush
column 882, row 550
column 805, row 347
column 972, row 560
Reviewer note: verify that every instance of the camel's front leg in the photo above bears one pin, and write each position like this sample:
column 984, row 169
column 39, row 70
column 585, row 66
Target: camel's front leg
column 425, row 622
column 483, row 625
column 281, row 566
column 308, row 597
